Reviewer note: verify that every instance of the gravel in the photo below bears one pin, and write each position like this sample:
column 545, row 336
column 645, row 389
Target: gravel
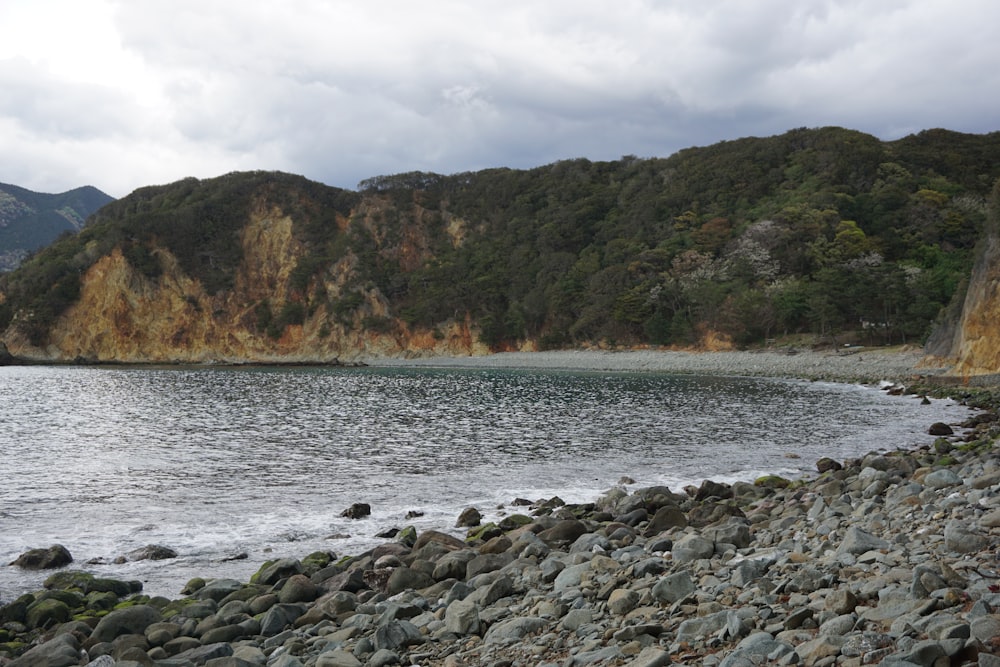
column 855, row 364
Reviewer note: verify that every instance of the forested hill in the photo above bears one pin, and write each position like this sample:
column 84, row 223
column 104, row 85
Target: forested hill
column 30, row 220
column 825, row 231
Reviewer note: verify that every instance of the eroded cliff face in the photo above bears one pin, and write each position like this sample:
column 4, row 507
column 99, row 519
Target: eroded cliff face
column 123, row 316
column 976, row 340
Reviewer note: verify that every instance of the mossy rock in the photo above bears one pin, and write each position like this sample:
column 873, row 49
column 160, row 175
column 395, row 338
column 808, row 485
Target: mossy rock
column 72, row 599
column 946, row 461
column 943, row 446
column 514, row 521
column 176, row 607
column 193, row 586
column 316, row 561
column 101, row 601
column 47, row 613
column 484, row 532
column 68, row 579
column 772, row 482
column 13, row 648
column 407, row 536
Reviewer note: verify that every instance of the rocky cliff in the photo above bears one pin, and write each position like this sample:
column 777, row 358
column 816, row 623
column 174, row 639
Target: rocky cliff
column 971, row 341
column 122, row 315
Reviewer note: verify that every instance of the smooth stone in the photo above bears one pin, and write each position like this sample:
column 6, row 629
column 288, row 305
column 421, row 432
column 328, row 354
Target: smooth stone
column 692, row 547
column 942, row 479
column 130, row 620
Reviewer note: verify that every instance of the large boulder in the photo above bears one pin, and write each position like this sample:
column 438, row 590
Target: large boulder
column 44, row 559
column 357, row 511
column 127, row 621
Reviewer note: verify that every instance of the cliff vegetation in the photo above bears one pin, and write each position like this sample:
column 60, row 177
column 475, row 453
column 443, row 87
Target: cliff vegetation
column 827, row 232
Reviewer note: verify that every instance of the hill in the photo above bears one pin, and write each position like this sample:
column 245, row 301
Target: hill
column 31, row 220
column 823, row 231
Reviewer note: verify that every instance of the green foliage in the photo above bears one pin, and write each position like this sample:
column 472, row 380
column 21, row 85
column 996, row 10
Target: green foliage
column 827, row 231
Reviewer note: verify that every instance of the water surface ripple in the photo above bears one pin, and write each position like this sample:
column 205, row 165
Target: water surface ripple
column 215, row 462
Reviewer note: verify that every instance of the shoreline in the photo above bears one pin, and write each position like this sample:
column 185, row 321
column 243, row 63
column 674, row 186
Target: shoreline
column 855, row 364
column 889, row 556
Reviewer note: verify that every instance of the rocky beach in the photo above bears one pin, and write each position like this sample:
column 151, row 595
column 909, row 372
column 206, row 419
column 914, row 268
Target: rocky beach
column 892, row 558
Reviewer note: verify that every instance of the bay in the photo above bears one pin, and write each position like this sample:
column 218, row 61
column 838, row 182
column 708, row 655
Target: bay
column 217, row 463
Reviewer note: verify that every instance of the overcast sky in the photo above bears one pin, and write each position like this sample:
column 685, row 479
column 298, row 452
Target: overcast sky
column 124, row 93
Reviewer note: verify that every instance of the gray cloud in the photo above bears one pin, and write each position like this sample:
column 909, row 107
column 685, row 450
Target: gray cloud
column 341, row 91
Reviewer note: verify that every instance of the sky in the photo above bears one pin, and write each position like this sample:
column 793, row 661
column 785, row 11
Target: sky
column 119, row 94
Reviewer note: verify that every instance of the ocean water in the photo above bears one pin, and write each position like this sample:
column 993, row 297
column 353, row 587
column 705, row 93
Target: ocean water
column 217, row 463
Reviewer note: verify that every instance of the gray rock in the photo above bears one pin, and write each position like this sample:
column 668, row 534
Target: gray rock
column 60, row 651
column 734, row 531
column 942, row 479
column 382, row 658
column 673, row 588
column 279, row 617
column 202, row 654
column 462, row 617
column 337, row 658
column 857, row 541
column 576, row 618
column 397, row 635
column 128, row 621
column 958, row 537
column 650, row 656
column 692, row 547
column 486, row 563
column 298, row 588
column 404, row 578
column 514, row 628
column 622, row 601
column 757, row 649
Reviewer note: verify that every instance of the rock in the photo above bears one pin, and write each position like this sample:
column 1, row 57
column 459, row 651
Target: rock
column 298, row 588
column 128, row 620
column 827, row 464
column 622, row 601
column 357, row 511
column 757, row 649
column 404, row 578
column 469, row 518
column 462, row 617
column 857, row 541
column 151, row 552
column 60, row 651
column 382, row 658
column 397, row 635
column 337, row 658
column 272, row 572
column 692, row 547
column 666, row 517
column 514, row 628
column 650, row 656
column 941, row 479
column 47, row 613
column 958, row 537
column 841, row 601
column 564, row 532
column 940, row 429
column 44, row 559
column 673, row 588
column 710, row 489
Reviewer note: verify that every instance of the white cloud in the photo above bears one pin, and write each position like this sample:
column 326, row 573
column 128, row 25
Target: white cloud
column 123, row 93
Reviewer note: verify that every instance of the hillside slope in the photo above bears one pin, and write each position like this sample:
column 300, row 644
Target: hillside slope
column 829, row 232
column 30, row 220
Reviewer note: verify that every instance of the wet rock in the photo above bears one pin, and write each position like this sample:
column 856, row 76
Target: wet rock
column 151, row 552
column 44, row 559
column 357, row 511
column 940, row 429
column 469, row 518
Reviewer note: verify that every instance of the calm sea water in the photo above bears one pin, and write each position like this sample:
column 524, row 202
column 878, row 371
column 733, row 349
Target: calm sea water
column 217, row 462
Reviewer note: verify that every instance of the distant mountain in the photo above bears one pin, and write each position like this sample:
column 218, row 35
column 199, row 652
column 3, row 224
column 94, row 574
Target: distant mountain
column 32, row 220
